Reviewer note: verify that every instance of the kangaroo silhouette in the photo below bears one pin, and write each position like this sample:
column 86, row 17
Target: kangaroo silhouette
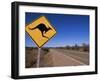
column 42, row 27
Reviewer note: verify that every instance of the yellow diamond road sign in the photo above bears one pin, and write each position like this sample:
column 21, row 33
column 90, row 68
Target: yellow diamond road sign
column 40, row 31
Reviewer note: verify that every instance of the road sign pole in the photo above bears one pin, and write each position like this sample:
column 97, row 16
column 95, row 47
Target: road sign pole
column 40, row 37
column 38, row 57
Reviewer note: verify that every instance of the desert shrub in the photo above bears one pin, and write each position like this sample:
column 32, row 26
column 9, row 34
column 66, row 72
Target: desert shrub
column 68, row 47
column 76, row 47
column 46, row 49
column 85, row 47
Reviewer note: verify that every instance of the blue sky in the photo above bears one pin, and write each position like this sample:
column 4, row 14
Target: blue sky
column 71, row 29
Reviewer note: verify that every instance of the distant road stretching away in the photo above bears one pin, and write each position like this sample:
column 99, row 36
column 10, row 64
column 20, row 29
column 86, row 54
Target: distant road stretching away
column 61, row 57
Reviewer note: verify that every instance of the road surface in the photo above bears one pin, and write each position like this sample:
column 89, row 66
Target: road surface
column 61, row 57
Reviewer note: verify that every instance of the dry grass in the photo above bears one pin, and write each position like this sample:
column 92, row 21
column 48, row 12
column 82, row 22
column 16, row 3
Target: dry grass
column 31, row 57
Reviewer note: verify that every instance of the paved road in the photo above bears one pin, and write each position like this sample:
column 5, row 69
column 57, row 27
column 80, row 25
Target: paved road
column 80, row 56
column 59, row 57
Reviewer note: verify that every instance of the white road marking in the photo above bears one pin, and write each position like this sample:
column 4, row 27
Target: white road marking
column 70, row 57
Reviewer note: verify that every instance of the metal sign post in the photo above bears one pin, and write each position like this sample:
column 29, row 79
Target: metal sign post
column 38, row 57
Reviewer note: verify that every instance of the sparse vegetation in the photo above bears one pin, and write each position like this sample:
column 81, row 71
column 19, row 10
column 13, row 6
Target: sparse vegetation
column 31, row 53
column 31, row 56
column 46, row 49
column 84, row 47
column 68, row 47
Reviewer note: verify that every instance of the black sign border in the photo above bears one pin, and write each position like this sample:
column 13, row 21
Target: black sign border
column 49, row 38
